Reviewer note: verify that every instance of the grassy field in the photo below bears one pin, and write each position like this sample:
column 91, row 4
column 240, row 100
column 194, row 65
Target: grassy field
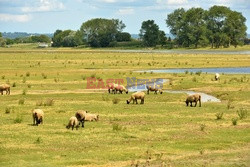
column 162, row 132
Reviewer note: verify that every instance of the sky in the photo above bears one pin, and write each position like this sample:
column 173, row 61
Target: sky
column 46, row 16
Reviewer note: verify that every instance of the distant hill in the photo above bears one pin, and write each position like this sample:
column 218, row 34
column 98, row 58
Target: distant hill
column 13, row 35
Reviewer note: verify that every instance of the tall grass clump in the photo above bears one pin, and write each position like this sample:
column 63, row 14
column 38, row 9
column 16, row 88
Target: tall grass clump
column 116, row 127
column 14, row 84
column 242, row 113
column 8, row 110
column 234, row 121
column 27, row 74
column 219, row 115
column 44, row 76
column 202, row 127
column 198, row 72
column 18, row 120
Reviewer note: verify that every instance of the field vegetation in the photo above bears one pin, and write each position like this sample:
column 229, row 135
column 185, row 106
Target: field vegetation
column 162, row 132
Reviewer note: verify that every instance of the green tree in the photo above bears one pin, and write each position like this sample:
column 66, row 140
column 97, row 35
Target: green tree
column 162, row 39
column 235, row 28
column 101, row 32
column 149, row 33
column 216, row 18
column 195, row 27
column 123, row 36
column 58, row 37
column 177, row 26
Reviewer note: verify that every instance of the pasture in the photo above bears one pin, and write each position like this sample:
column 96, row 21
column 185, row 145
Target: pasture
column 162, row 132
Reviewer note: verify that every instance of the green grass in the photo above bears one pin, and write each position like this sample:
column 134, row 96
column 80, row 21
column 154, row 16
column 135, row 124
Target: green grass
column 162, row 131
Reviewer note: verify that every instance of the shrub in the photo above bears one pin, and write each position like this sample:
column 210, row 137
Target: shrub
column 83, row 77
column 234, row 121
column 219, row 115
column 116, row 100
column 14, row 84
column 44, row 76
column 198, row 73
column 21, row 101
column 3, row 76
column 29, row 85
column 186, row 72
column 27, row 74
column 242, row 113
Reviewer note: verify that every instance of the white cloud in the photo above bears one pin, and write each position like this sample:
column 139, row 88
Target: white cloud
column 15, row 18
column 177, row 2
column 126, row 11
column 108, row 1
column 44, row 6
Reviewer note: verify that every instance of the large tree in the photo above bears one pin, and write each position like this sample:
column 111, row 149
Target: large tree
column 235, row 28
column 216, row 17
column 101, row 32
column 149, row 33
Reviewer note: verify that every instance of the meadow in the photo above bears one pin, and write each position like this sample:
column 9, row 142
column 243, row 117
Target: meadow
column 162, row 132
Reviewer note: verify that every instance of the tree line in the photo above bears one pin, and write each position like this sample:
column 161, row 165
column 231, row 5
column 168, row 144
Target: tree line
column 218, row 26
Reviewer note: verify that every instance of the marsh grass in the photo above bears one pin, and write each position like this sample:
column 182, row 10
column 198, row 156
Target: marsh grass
column 219, row 115
column 242, row 113
column 234, row 121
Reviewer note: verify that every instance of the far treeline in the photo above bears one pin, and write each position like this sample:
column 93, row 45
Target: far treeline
column 217, row 27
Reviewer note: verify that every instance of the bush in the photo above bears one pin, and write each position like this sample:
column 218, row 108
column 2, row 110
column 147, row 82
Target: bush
column 234, row 121
column 14, row 84
column 219, row 115
column 242, row 113
column 27, row 74
column 198, row 73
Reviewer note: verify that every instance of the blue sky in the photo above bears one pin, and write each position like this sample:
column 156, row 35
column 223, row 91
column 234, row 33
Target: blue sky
column 46, row 16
